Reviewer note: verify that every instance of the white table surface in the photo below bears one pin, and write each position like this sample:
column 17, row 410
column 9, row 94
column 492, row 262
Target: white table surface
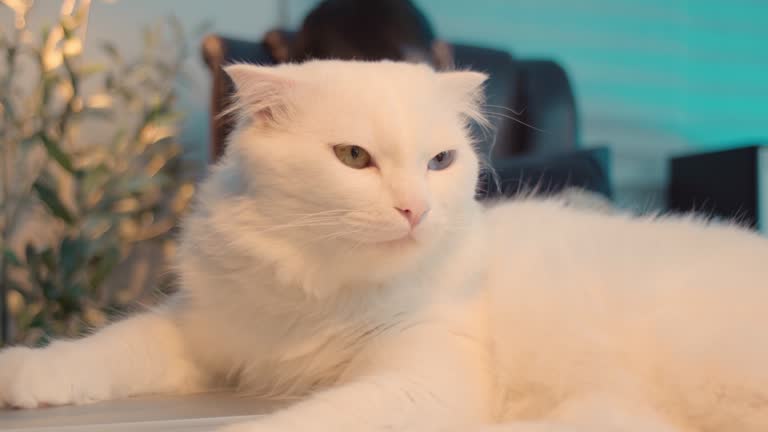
column 166, row 414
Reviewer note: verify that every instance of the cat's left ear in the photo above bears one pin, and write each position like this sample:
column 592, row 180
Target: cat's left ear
column 262, row 92
column 465, row 88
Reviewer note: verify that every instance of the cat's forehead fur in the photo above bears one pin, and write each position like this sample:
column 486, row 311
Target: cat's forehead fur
column 357, row 89
column 343, row 70
column 362, row 97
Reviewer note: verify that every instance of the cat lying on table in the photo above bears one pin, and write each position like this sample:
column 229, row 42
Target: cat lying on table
column 336, row 257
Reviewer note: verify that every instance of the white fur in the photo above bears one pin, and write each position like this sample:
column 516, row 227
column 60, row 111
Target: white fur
column 301, row 281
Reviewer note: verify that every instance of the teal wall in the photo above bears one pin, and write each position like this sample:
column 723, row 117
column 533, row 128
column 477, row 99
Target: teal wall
column 696, row 68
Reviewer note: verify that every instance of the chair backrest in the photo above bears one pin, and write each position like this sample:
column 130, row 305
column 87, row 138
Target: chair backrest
column 530, row 102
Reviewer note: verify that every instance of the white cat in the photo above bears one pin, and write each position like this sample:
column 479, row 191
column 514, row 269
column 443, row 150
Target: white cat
column 336, row 256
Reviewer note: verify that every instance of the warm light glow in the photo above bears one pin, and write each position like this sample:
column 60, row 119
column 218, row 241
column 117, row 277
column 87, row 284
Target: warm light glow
column 20, row 9
column 100, row 100
column 72, row 47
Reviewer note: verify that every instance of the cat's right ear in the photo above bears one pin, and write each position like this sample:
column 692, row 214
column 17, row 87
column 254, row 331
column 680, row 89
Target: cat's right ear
column 465, row 90
column 261, row 93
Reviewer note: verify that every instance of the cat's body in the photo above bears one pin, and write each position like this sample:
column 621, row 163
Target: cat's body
column 302, row 280
column 671, row 317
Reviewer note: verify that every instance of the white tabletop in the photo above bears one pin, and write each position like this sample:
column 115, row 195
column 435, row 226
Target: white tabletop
column 166, row 414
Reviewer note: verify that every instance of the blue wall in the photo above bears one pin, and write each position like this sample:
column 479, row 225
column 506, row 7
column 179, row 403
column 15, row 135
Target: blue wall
column 695, row 68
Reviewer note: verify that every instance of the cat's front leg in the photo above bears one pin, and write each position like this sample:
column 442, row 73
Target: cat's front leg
column 423, row 381
column 381, row 403
column 140, row 355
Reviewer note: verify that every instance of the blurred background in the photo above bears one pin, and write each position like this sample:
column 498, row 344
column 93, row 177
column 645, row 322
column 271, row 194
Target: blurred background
column 651, row 78
column 657, row 86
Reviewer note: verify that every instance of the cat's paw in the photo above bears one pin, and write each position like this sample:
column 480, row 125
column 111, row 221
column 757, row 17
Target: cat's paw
column 31, row 378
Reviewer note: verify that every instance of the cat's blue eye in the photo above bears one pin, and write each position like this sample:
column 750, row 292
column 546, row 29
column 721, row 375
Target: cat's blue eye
column 442, row 160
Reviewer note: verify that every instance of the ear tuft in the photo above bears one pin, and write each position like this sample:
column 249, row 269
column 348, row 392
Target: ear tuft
column 466, row 89
column 261, row 93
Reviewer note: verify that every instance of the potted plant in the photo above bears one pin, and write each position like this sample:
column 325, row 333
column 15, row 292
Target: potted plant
column 90, row 169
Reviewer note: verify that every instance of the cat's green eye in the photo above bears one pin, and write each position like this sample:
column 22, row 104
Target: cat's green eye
column 442, row 160
column 353, row 156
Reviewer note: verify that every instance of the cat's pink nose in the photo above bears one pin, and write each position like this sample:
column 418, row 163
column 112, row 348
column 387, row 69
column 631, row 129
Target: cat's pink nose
column 414, row 215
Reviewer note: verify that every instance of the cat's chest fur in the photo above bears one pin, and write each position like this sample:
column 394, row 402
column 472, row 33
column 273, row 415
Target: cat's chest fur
column 282, row 348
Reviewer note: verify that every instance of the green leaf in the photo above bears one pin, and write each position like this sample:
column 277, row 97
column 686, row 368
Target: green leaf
column 165, row 144
column 96, row 113
column 27, row 314
column 51, row 200
column 166, row 118
column 119, row 137
column 94, row 178
column 109, row 82
column 49, row 259
column 57, row 154
column 46, row 32
column 68, row 25
column 139, row 183
column 29, row 141
column 72, row 256
column 96, row 225
column 38, row 321
column 33, row 262
column 45, row 339
column 70, row 300
column 10, row 257
column 49, row 290
column 90, row 69
column 104, row 266
column 75, row 291
column 50, row 81
column 158, row 112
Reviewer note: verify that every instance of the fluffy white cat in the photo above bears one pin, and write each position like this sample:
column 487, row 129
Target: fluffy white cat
column 336, row 257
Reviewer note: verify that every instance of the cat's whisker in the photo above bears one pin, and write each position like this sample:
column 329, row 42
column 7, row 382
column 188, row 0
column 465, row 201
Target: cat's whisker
column 516, row 120
column 325, row 212
column 312, row 218
column 521, row 112
column 288, row 226
column 355, row 246
column 330, row 213
column 347, row 231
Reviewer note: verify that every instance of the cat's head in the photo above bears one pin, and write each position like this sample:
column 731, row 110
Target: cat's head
column 363, row 165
